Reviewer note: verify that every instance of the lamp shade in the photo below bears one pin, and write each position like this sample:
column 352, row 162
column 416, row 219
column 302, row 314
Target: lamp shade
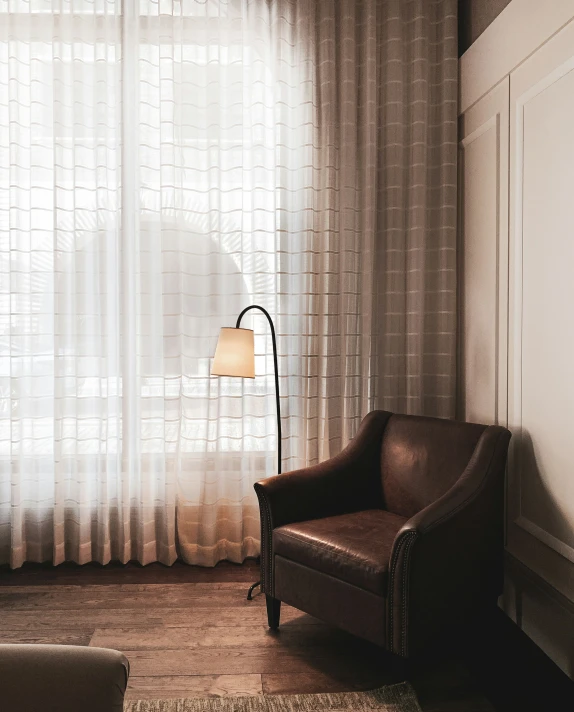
column 234, row 354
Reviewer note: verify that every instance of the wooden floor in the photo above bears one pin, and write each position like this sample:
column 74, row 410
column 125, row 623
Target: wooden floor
column 190, row 632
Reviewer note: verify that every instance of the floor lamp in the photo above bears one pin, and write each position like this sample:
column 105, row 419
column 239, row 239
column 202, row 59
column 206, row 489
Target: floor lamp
column 235, row 356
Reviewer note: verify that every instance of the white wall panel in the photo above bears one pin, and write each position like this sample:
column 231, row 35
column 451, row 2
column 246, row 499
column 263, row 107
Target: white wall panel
column 516, row 362
column 541, row 384
column 522, row 27
column 483, row 263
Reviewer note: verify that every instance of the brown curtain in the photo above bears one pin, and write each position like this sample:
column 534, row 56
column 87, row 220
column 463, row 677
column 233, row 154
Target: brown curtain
column 377, row 245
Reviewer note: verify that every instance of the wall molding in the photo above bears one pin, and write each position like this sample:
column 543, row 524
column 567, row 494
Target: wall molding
column 541, row 550
column 517, row 568
column 545, row 561
column 483, row 250
column 545, row 537
column 522, row 27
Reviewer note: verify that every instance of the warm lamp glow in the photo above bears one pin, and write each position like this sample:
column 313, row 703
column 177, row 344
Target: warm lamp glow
column 235, row 353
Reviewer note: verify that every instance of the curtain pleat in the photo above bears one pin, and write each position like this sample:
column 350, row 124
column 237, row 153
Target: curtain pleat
column 164, row 164
column 415, row 299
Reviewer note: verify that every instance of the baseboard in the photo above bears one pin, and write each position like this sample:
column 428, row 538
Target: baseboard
column 519, row 661
column 544, row 614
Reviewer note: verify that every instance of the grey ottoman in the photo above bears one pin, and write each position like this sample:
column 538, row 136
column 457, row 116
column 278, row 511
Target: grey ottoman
column 62, row 678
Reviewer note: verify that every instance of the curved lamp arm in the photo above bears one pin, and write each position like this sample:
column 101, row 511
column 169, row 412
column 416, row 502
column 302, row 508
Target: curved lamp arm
column 276, row 367
column 231, row 356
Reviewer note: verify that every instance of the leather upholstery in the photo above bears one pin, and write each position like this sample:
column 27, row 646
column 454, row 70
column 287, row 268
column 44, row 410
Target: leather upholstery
column 334, row 601
column 326, row 530
column 448, row 558
column 355, row 547
column 348, row 482
column 422, row 458
column 62, row 678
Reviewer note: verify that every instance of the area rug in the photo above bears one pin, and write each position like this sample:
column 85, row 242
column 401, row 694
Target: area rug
column 391, row 698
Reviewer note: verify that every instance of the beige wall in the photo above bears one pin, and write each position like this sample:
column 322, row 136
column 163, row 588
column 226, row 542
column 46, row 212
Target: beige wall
column 474, row 17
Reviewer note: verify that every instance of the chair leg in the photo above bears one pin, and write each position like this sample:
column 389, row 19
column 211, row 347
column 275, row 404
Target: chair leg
column 273, row 611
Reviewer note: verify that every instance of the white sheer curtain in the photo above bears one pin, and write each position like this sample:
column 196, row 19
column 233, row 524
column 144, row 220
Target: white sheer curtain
column 165, row 163
column 138, row 216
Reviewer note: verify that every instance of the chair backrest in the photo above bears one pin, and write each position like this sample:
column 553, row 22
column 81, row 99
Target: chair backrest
column 421, row 458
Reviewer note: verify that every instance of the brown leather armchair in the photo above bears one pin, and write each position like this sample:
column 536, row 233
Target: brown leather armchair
column 397, row 538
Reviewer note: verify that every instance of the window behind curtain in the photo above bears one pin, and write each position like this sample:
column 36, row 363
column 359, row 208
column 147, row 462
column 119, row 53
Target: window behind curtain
column 184, row 131
column 139, row 207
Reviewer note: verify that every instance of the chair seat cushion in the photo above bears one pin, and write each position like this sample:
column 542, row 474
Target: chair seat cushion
column 355, row 547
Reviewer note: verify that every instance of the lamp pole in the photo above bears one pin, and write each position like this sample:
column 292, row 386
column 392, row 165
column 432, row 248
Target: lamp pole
column 277, row 402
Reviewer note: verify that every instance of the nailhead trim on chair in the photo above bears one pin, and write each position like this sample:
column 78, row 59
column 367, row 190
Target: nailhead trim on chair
column 266, row 545
column 408, row 546
column 406, row 541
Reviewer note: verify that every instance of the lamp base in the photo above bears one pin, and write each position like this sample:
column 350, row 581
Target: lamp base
column 251, row 589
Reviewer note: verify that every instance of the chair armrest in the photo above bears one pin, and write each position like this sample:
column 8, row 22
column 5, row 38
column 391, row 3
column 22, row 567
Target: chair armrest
column 62, row 678
column 347, row 482
column 447, row 560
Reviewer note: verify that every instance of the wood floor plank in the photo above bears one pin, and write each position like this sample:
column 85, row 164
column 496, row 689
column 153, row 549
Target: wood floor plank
column 239, row 636
column 174, row 687
column 115, row 572
column 172, row 617
column 197, row 588
column 234, row 661
column 100, row 598
column 250, row 615
column 301, row 683
column 204, row 639
column 80, row 619
column 46, row 637
column 317, row 682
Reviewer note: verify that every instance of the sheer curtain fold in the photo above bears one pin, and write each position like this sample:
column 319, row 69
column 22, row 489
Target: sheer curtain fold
column 164, row 164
